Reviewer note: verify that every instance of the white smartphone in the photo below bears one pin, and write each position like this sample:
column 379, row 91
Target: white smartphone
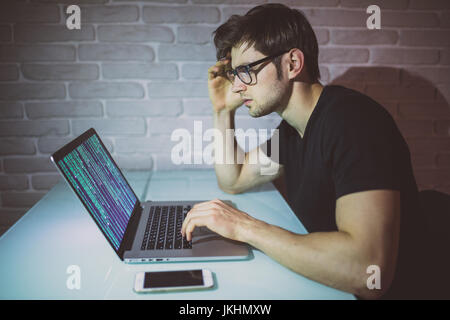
column 157, row 281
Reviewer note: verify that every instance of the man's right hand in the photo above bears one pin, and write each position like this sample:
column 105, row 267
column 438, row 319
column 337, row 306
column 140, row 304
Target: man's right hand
column 219, row 87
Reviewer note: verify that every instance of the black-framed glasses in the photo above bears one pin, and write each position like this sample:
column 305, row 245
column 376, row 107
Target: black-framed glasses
column 243, row 72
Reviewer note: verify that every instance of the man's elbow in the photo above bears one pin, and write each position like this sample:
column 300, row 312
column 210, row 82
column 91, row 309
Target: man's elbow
column 230, row 190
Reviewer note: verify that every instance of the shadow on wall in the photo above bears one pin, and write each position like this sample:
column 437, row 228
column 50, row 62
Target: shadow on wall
column 421, row 112
column 423, row 116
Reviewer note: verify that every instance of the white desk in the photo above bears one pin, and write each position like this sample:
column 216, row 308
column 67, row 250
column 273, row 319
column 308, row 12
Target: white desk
column 58, row 232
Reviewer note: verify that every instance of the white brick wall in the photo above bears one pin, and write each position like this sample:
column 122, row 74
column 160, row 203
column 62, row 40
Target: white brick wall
column 137, row 70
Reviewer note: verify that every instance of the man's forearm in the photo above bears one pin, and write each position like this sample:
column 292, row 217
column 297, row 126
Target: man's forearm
column 226, row 150
column 331, row 258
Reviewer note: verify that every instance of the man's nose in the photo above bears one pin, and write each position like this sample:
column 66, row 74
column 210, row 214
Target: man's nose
column 238, row 85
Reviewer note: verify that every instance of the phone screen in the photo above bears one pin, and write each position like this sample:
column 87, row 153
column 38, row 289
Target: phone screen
column 173, row 279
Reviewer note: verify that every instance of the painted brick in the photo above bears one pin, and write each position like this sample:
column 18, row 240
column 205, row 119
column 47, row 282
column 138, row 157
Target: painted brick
column 336, row 17
column 191, row 14
column 432, row 177
column 404, row 56
column 10, row 12
column 443, row 161
column 13, row 182
column 322, row 35
column 426, row 75
column 48, row 145
column 409, row 19
column 24, row 91
column 111, row 14
column 9, row 72
column 167, row 71
column 443, row 128
column 445, row 57
column 129, row 52
column 391, row 4
column 185, row 52
column 178, row 89
column 156, row 144
column 196, row 71
column 428, row 145
column 248, row 2
column 122, row 127
column 45, row 181
column 364, row 36
column 28, row 165
column 429, row 4
column 197, row 106
column 423, row 161
column 137, row 33
column 425, row 110
column 23, row 53
column 33, row 128
column 425, row 38
column 415, row 128
column 445, row 19
column 5, row 33
column 152, row 108
column 367, row 75
column 195, row 34
column 343, row 55
column 60, row 71
column 400, row 93
column 158, row 126
column 89, row 90
column 63, row 109
column 11, row 110
column 52, row 33
column 16, row 146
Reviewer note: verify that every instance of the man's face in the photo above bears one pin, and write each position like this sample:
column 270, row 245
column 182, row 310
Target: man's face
column 266, row 93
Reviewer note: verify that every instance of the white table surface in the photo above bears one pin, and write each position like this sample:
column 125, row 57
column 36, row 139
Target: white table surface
column 58, row 232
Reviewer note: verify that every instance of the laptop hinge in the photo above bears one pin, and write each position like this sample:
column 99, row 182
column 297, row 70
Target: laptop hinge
column 130, row 232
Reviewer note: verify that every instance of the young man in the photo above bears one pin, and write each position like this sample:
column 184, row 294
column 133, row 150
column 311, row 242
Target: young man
column 346, row 167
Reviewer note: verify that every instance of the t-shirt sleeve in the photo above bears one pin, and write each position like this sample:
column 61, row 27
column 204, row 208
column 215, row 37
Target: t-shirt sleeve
column 360, row 147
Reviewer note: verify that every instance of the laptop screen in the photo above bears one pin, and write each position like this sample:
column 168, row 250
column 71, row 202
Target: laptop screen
column 101, row 186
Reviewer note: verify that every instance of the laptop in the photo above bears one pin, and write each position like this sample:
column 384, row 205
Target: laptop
column 139, row 232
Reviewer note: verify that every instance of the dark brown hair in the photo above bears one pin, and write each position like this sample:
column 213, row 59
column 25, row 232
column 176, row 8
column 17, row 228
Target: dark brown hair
column 271, row 28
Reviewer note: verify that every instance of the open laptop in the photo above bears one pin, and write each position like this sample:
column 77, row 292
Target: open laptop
column 138, row 232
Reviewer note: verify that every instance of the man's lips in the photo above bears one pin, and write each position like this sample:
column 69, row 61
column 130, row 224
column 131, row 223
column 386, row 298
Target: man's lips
column 247, row 101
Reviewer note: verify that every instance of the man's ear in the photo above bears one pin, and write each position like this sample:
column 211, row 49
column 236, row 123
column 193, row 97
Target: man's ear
column 296, row 63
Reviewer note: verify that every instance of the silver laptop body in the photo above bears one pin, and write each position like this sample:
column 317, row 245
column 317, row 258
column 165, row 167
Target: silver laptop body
column 138, row 232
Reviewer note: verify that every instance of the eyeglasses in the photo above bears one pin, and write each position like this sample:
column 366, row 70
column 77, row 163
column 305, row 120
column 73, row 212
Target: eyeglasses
column 243, row 72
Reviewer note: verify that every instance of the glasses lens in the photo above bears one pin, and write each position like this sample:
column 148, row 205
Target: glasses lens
column 244, row 75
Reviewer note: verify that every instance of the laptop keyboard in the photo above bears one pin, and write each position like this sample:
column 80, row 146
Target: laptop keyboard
column 163, row 229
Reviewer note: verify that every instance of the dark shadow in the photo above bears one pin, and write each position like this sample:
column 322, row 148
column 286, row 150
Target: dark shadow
column 422, row 114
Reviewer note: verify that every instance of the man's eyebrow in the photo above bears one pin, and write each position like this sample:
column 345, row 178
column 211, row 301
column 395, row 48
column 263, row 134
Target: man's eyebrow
column 240, row 65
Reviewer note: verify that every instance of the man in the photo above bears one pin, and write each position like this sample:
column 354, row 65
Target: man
column 345, row 165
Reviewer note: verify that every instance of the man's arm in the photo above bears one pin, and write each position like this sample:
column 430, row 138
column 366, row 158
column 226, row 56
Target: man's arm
column 237, row 176
column 368, row 234
column 234, row 170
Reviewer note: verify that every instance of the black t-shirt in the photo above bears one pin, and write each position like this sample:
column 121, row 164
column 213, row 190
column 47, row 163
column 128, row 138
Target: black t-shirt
column 350, row 144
